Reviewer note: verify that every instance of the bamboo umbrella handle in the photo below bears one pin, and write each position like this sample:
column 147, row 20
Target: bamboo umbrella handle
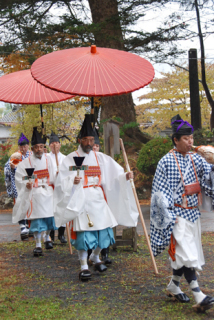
column 69, row 238
column 56, row 156
column 42, row 120
column 138, row 207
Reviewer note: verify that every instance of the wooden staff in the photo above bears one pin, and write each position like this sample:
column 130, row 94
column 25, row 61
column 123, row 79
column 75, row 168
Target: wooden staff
column 138, row 207
column 69, row 238
column 42, row 120
column 67, row 227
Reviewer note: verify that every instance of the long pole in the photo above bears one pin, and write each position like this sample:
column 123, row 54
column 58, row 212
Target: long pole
column 42, row 120
column 138, row 207
column 67, row 227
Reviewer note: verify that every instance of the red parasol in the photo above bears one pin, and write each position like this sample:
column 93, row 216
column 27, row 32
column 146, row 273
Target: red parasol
column 21, row 88
column 93, row 71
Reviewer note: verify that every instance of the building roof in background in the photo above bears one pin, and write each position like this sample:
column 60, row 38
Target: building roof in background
column 9, row 118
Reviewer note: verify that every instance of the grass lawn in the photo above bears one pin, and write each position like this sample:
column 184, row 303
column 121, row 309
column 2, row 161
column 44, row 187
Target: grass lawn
column 48, row 287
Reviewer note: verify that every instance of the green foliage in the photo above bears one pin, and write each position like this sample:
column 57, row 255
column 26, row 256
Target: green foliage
column 4, row 156
column 203, row 137
column 31, row 22
column 151, row 153
column 168, row 96
column 68, row 148
column 63, row 118
column 128, row 126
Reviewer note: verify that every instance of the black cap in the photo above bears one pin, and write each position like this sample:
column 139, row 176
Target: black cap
column 96, row 137
column 86, row 130
column 37, row 137
column 179, row 126
column 53, row 138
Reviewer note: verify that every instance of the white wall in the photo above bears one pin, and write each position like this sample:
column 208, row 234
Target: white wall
column 4, row 133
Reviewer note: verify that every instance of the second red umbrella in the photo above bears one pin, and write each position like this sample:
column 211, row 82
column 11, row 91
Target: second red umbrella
column 21, row 88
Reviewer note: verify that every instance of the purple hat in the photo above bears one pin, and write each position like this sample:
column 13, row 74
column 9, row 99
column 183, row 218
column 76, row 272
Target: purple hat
column 180, row 126
column 22, row 140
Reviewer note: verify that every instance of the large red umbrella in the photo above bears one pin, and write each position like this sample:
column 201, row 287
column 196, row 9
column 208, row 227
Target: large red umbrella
column 21, row 88
column 93, row 71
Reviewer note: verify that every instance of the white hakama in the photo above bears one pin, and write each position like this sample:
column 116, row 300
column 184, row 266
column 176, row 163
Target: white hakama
column 188, row 248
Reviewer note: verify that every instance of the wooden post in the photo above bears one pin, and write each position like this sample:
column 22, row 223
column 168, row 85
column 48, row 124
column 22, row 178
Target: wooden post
column 67, row 227
column 138, row 207
column 194, row 90
column 112, row 147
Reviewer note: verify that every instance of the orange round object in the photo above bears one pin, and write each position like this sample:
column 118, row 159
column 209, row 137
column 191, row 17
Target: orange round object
column 16, row 161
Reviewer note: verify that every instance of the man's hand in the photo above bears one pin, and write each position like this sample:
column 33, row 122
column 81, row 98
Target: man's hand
column 77, row 180
column 13, row 166
column 29, row 185
column 129, row 175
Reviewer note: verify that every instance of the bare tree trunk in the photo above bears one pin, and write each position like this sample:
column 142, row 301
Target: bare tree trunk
column 108, row 33
column 203, row 70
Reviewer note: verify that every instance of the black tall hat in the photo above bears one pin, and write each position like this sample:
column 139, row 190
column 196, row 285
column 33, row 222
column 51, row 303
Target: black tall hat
column 37, row 137
column 86, row 130
column 96, row 137
column 53, row 138
column 180, row 126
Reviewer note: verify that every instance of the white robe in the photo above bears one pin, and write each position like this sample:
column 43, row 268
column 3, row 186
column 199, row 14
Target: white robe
column 73, row 202
column 60, row 157
column 41, row 198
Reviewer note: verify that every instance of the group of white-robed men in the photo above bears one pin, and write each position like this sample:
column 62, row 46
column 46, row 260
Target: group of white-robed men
column 100, row 193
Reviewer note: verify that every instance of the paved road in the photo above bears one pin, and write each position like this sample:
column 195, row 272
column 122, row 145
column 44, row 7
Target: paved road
column 11, row 232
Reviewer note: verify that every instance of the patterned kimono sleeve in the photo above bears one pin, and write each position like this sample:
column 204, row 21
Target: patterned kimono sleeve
column 206, row 177
column 10, row 180
column 162, row 216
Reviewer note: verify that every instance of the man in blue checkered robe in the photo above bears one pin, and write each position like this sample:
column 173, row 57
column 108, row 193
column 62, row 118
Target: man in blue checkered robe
column 172, row 215
column 9, row 173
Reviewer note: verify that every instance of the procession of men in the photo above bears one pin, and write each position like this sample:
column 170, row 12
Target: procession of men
column 91, row 192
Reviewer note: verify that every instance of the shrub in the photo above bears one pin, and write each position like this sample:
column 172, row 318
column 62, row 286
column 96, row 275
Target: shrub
column 68, row 148
column 203, row 137
column 151, row 153
column 128, row 126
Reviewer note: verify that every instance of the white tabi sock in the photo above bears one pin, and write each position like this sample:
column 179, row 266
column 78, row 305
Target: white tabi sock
column 47, row 235
column 37, row 237
column 95, row 255
column 197, row 293
column 83, row 259
column 173, row 285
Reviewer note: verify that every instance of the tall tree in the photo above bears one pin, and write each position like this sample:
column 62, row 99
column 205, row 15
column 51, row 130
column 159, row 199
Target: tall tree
column 196, row 5
column 169, row 96
column 109, row 23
